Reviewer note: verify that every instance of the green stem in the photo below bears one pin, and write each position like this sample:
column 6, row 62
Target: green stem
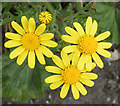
column 78, row 6
column 72, row 16
column 9, row 27
column 58, row 33
column 51, row 9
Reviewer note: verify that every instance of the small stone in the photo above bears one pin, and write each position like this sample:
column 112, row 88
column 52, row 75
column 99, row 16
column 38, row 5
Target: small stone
column 47, row 102
column 117, row 77
column 31, row 101
column 49, row 96
column 109, row 63
column 114, row 101
column 115, row 55
column 108, row 99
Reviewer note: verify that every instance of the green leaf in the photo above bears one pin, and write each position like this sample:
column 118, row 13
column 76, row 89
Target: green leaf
column 115, row 34
column 57, row 5
column 22, row 83
column 87, row 6
column 106, row 17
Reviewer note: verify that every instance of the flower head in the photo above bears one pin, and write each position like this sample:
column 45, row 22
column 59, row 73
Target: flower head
column 87, row 44
column 68, row 74
column 30, row 41
column 45, row 17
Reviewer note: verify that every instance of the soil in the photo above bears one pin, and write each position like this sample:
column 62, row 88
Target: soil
column 105, row 90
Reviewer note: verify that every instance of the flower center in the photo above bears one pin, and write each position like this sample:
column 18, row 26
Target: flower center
column 71, row 75
column 87, row 44
column 30, row 41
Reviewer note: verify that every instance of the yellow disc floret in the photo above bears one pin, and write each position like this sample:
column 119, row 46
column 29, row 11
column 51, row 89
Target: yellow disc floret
column 87, row 44
column 30, row 41
column 71, row 75
column 45, row 17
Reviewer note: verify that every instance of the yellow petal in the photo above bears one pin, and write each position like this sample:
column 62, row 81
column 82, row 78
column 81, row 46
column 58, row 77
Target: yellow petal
column 47, row 52
column 105, row 45
column 72, row 32
column 75, row 58
column 31, row 59
column 75, row 92
column 87, row 82
column 40, row 29
column 17, row 27
column 103, row 52
column 71, row 56
column 93, row 28
column 24, row 22
column 55, row 85
column 83, row 70
column 103, row 36
column 53, row 78
column 22, row 57
column 16, row 52
column 12, row 43
column 53, row 69
column 93, row 65
column 40, row 56
column 69, row 49
column 88, row 25
column 97, row 60
column 31, row 25
column 64, row 90
column 49, row 43
column 13, row 36
column 46, row 36
column 81, row 62
column 58, row 61
column 65, row 58
column 89, row 76
column 79, row 28
column 69, row 39
column 88, row 62
column 81, row 88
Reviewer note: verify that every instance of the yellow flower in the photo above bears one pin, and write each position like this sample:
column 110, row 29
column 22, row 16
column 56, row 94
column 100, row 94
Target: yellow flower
column 87, row 44
column 45, row 17
column 30, row 41
column 69, row 74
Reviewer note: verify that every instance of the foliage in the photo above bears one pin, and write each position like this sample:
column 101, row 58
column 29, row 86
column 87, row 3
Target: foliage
column 20, row 82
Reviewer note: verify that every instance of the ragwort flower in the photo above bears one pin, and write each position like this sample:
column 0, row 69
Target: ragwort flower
column 30, row 41
column 87, row 44
column 45, row 17
column 69, row 74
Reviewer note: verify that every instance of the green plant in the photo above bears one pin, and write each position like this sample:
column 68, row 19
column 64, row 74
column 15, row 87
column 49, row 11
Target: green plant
column 22, row 83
